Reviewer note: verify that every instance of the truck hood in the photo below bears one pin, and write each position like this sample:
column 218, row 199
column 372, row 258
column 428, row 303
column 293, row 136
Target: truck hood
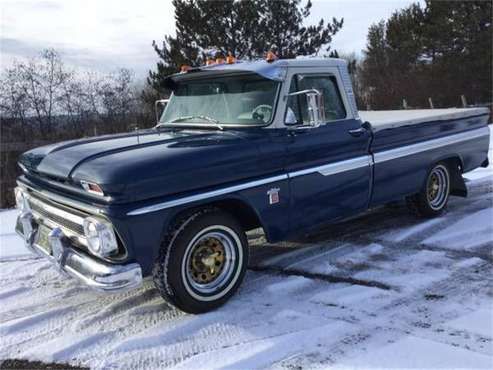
column 147, row 164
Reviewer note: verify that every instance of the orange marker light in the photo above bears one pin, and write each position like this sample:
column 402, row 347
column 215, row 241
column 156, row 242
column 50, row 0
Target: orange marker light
column 210, row 62
column 230, row 59
column 220, row 61
column 270, row 57
column 184, row 68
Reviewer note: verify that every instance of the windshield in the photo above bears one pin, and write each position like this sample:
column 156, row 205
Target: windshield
column 240, row 100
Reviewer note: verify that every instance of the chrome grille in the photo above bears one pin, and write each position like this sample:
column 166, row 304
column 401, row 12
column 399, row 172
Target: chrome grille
column 53, row 214
column 44, row 213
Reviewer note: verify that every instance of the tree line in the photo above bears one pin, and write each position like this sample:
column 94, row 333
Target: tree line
column 440, row 50
column 43, row 101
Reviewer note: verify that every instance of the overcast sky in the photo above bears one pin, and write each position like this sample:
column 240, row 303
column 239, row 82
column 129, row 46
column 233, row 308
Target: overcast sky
column 105, row 35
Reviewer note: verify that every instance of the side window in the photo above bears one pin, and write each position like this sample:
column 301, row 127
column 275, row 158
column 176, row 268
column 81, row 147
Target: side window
column 297, row 112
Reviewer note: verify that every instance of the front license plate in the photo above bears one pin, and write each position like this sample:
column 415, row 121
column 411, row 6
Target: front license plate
column 42, row 240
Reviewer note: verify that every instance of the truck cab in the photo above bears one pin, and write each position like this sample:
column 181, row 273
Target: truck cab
column 276, row 144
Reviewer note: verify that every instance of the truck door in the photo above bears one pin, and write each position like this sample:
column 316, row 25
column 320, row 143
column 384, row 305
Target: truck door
column 328, row 166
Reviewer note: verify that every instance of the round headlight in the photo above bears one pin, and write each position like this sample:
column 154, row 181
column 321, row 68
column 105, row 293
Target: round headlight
column 100, row 236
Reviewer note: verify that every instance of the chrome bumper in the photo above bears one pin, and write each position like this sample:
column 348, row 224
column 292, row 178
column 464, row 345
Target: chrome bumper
column 94, row 273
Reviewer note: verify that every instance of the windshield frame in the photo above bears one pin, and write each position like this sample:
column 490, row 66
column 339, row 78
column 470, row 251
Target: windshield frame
column 224, row 125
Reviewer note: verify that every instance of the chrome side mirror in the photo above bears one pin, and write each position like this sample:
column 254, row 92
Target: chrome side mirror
column 159, row 107
column 315, row 106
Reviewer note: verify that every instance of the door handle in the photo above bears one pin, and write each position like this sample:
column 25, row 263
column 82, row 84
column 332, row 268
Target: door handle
column 357, row 131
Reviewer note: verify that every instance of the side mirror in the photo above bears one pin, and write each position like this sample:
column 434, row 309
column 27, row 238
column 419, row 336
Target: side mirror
column 159, row 107
column 315, row 106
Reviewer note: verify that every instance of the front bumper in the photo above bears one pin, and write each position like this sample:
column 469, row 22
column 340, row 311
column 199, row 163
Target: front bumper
column 96, row 274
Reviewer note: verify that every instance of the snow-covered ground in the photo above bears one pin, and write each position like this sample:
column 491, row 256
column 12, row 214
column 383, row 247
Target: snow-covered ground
column 384, row 290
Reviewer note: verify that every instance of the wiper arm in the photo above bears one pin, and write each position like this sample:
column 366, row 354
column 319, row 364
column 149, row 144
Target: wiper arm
column 206, row 118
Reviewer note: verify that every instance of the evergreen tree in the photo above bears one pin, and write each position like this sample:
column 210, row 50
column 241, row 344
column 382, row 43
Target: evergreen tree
column 441, row 50
column 245, row 28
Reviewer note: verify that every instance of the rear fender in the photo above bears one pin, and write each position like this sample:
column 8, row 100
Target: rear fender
column 457, row 184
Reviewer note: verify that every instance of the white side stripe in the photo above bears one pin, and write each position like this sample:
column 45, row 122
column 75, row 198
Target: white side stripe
column 209, row 194
column 325, row 170
column 407, row 150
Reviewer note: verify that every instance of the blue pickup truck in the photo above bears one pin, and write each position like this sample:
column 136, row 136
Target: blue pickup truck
column 276, row 144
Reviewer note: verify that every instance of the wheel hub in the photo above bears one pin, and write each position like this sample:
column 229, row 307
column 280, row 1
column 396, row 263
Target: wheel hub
column 433, row 187
column 207, row 260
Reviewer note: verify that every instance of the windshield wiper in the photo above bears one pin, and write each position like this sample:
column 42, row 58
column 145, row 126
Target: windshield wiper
column 205, row 118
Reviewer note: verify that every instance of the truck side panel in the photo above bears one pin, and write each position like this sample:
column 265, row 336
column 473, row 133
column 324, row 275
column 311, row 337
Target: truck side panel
column 402, row 162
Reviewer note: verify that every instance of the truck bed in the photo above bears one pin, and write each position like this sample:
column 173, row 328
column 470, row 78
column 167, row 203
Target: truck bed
column 385, row 119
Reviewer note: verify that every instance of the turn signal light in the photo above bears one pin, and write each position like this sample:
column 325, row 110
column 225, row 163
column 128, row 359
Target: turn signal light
column 184, row 68
column 270, row 57
column 92, row 187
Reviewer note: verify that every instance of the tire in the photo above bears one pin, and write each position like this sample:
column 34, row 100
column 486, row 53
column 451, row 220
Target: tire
column 202, row 261
column 433, row 198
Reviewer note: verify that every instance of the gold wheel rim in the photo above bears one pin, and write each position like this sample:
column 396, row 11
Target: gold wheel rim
column 433, row 187
column 207, row 260
column 438, row 187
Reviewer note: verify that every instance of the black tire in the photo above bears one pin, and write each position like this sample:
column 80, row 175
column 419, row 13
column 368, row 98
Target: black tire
column 176, row 270
column 433, row 198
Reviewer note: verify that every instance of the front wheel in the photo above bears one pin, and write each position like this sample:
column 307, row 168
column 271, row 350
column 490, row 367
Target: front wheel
column 202, row 261
column 432, row 200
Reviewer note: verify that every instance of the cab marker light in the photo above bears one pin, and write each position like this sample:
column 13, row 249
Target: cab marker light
column 270, row 57
column 230, row 59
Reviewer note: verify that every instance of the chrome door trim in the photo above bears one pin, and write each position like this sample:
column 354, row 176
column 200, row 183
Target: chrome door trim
column 336, row 167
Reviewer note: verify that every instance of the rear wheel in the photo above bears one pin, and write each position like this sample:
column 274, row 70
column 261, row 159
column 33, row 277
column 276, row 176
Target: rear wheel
column 202, row 261
column 432, row 200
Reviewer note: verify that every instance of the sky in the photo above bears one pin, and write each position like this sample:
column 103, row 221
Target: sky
column 110, row 34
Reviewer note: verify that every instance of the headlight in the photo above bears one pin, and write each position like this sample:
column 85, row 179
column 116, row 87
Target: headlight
column 100, row 236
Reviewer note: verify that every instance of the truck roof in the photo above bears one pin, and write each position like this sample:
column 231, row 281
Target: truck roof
column 272, row 70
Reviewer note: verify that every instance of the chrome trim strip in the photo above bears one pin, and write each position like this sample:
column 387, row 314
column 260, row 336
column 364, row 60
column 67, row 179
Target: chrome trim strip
column 209, row 194
column 42, row 219
column 60, row 199
column 408, row 150
column 57, row 211
column 336, row 167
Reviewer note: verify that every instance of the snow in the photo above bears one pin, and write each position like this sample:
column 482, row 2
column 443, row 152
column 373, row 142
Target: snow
column 385, row 290
column 11, row 246
column 479, row 322
column 412, row 352
column 469, row 233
